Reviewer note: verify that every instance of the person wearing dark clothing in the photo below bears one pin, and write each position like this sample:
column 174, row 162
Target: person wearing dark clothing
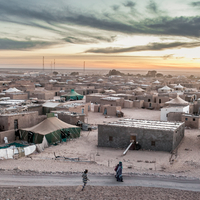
column 116, row 167
column 17, row 134
column 85, row 178
column 119, row 172
column 137, row 146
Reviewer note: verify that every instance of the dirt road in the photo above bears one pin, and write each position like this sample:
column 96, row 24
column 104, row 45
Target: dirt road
column 97, row 180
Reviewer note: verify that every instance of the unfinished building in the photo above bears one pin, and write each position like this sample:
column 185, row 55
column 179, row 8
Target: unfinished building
column 151, row 135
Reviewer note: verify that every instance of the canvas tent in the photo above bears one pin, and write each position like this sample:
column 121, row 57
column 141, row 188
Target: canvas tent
column 11, row 90
column 72, row 95
column 50, row 131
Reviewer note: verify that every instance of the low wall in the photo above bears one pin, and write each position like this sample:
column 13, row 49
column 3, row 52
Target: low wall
column 10, row 134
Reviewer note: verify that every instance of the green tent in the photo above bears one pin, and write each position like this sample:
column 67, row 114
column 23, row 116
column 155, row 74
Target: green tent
column 51, row 130
column 72, row 95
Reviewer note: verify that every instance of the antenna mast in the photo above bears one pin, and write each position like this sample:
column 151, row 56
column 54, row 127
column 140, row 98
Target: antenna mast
column 43, row 63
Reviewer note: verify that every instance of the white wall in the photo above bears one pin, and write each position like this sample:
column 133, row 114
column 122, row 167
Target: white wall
column 166, row 110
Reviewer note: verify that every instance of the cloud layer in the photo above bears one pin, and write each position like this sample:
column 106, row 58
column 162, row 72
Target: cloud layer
column 149, row 47
column 68, row 23
column 8, row 44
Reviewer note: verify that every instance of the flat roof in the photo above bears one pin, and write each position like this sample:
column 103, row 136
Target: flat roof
column 21, row 113
column 146, row 124
column 111, row 98
column 70, row 105
column 67, row 113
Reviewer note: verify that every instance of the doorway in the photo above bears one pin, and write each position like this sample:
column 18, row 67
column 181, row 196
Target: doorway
column 16, row 124
column 133, row 139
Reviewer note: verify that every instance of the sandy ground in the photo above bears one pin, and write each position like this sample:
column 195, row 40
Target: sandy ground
column 103, row 160
column 91, row 193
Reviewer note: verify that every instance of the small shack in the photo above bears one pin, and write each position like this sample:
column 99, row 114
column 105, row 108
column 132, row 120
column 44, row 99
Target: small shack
column 72, row 95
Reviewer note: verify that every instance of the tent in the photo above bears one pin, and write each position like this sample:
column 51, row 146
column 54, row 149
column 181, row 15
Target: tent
column 72, row 95
column 50, row 131
column 10, row 90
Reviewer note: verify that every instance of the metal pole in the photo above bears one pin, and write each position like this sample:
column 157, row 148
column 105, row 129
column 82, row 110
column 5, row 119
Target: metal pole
column 43, row 63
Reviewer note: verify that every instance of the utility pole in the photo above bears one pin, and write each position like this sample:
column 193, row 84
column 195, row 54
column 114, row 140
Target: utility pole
column 84, row 67
column 43, row 63
column 54, row 64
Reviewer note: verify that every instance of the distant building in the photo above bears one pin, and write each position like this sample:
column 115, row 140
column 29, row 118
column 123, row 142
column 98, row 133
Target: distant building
column 69, row 117
column 177, row 105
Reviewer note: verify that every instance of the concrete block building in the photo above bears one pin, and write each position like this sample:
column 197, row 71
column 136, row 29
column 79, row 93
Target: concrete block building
column 113, row 101
column 151, row 135
column 19, row 120
column 69, row 117
column 191, row 121
column 175, row 105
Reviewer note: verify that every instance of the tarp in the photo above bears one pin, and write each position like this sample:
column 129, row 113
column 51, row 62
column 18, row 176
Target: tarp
column 12, row 149
column 73, row 95
column 52, row 128
column 13, row 144
column 6, row 154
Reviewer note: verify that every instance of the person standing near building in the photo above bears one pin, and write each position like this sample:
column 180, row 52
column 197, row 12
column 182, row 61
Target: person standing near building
column 85, row 178
column 119, row 173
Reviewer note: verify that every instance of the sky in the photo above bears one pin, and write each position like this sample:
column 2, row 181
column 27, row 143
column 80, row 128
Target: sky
column 108, row 34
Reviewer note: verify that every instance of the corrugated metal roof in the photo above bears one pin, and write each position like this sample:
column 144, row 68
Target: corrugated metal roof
column 147, row 124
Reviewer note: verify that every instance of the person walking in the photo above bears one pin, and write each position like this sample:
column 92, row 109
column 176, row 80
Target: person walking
column 119, row 172
column 85, row 178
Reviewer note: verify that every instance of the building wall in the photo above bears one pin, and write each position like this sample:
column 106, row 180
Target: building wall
column 174, row 116
column 138, row 103
column 22, row 96
column 162, row 99
column 117, row 102
column 166, row 110
column 121, row 137
column 128, row 104
column 25, row 120
column 178, row 136
column 36, row 108
column 151, row 105
column 95, row 98
column 191, row 121
column 96, row 108
column 81, row 109
column 70, row 119
column 43, row 95
column 112, row 110
column 10, row 134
